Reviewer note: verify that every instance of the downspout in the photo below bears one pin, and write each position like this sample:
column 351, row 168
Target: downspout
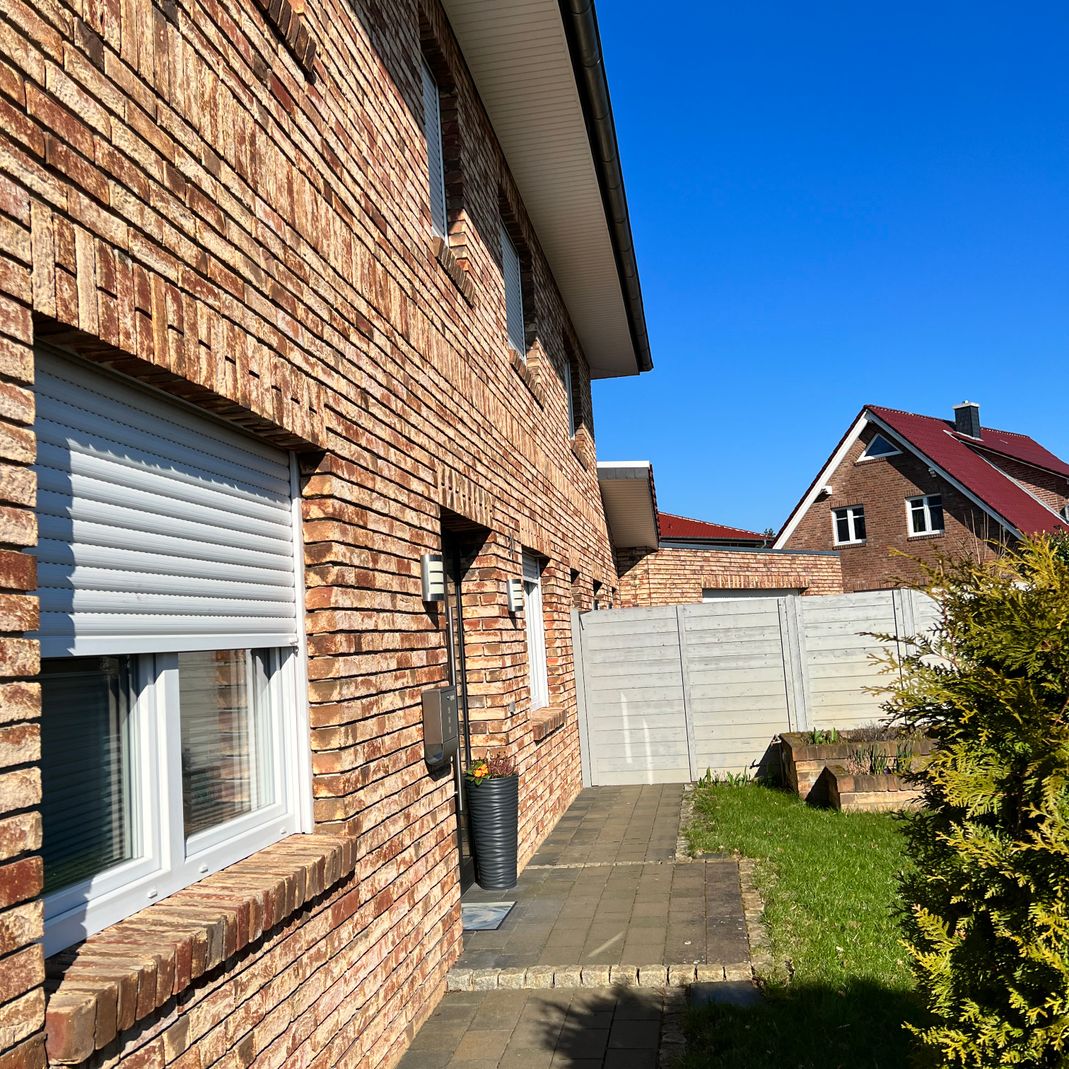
column 584, row 42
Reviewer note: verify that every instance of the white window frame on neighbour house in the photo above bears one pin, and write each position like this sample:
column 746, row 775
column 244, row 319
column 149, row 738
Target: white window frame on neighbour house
column 432, row 130
column 871, row 451
column 851, row 514
column 920, row 508
column 535, row 624
column 130, row 603
column 512, row 278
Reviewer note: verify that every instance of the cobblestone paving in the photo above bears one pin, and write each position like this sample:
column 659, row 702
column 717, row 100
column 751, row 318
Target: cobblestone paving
column 602, row 897
column 581, row 1029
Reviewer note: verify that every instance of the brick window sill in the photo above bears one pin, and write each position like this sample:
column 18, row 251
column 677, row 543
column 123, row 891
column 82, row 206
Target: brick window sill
column 530, row 378
column 121, row 975
column 451, row 265
column 926, row 536
column 546, row 720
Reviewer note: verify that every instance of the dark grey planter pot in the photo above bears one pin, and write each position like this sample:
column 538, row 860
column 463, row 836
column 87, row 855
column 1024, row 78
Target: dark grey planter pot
column 493, row 819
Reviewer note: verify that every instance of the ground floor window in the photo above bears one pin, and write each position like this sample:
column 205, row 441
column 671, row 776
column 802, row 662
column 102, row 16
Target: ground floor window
column 535, row 621
column 173, row 724
column 157, row 769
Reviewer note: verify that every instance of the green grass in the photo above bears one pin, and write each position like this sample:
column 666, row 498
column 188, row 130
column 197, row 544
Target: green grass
column 840, row 986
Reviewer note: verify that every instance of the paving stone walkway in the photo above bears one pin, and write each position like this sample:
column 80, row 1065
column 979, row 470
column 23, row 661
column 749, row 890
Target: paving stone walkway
column 590, row 967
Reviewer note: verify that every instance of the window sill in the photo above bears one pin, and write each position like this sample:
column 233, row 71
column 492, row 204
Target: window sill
column 924, row 535
column 847, row 545
column 583, row 449
column 546, row 720
column 119, row 976
column 530, row 377
column 451, row 265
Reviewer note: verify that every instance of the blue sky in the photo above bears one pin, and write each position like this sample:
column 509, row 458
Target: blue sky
column 833, row 205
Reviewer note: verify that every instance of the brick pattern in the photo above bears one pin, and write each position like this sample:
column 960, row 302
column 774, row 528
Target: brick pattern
column 889, row 557
column 120, row 976
column 179, row 201
column 678, row 576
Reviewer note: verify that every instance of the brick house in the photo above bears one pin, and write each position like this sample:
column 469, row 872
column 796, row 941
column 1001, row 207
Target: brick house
column 296, row 304
column 901, row 488
column 664, row 559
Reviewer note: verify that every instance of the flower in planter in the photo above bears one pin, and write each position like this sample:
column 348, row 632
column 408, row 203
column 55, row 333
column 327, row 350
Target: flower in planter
column 493, row 766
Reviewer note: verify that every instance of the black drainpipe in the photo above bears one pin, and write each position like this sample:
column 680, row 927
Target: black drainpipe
column 584, row 42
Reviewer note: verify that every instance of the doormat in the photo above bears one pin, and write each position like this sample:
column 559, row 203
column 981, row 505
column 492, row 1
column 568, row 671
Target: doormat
column 484, row 916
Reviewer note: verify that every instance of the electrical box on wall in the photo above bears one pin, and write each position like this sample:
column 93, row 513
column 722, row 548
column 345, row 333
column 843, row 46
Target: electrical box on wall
column 432, row 574
column 515, row 592
column 441, row 725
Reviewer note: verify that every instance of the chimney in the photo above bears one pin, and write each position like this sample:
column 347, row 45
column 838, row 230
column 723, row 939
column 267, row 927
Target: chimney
column 967, row 419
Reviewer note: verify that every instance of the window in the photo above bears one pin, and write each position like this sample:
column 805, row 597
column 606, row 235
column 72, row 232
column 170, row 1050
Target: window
column 513, row 276
column 569, row 393
column 880, row 447
column 849, row 525
column 925, row 514
column 170, row 682
column 432, row 129
column 534, row 618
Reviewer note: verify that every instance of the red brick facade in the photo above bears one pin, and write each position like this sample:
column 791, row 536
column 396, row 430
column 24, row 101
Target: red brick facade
column 889, row 554
column 180, row 202
column 671, row 576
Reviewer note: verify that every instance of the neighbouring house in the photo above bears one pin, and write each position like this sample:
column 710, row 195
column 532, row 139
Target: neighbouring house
column 900, row 488
column 299, row 309
column 663, row 559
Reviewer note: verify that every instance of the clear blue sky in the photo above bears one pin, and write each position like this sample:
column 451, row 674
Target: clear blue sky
column 833, row 205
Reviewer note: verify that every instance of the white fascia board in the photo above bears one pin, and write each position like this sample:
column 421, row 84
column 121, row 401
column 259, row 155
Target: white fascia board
column 837, row 458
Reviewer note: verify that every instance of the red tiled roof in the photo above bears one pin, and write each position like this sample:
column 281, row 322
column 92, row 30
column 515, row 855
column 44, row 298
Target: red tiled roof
column 958, row 456
column 671, row 526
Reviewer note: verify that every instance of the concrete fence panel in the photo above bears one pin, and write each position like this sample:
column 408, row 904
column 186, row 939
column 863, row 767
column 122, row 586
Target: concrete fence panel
column 669, row 692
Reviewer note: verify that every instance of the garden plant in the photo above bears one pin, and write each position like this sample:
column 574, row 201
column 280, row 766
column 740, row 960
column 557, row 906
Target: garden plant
column 987, row 901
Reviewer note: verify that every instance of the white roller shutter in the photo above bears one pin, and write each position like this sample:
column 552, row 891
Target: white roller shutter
column 513, row 276
column 432, row 129
column 158, row 529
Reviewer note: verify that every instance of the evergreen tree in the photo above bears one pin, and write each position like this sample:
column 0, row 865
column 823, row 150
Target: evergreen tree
column 987, row 904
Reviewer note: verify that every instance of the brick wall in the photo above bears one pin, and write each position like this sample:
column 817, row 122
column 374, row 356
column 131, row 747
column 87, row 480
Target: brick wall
column 179, row 201
column 889, row 555
column 671, row 576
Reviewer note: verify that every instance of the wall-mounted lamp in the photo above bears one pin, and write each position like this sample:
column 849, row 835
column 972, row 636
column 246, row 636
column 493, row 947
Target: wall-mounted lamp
column 515, row 594
column 432, row 575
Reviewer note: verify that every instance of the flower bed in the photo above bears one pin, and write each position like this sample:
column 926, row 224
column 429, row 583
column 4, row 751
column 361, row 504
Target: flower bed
column 876, row 792
column 875, row 752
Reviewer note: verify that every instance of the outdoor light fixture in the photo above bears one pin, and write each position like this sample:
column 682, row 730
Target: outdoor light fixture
column 432, row 574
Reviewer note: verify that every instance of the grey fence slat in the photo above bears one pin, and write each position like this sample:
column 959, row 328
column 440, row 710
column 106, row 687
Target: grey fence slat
column 667, row 692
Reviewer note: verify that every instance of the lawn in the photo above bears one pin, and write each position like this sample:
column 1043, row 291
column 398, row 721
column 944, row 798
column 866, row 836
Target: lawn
column 840, row 986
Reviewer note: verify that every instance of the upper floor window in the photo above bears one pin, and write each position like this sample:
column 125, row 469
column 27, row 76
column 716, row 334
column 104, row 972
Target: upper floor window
column 432, row 129
column 925, row 514
column 849, row 525
column 569, row 393
column 170, row 691
column 512, row 273
column 880, row 447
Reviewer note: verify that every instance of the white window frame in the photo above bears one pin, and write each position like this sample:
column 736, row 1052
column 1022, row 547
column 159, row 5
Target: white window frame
column 167, row 860
column 852, row 513
column 925, row 501
column 515, row 319
column 535, row 625
column 432, row 131
column 895, row 451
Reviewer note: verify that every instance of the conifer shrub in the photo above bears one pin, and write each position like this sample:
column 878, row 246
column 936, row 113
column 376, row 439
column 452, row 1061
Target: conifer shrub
column 987, row 903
